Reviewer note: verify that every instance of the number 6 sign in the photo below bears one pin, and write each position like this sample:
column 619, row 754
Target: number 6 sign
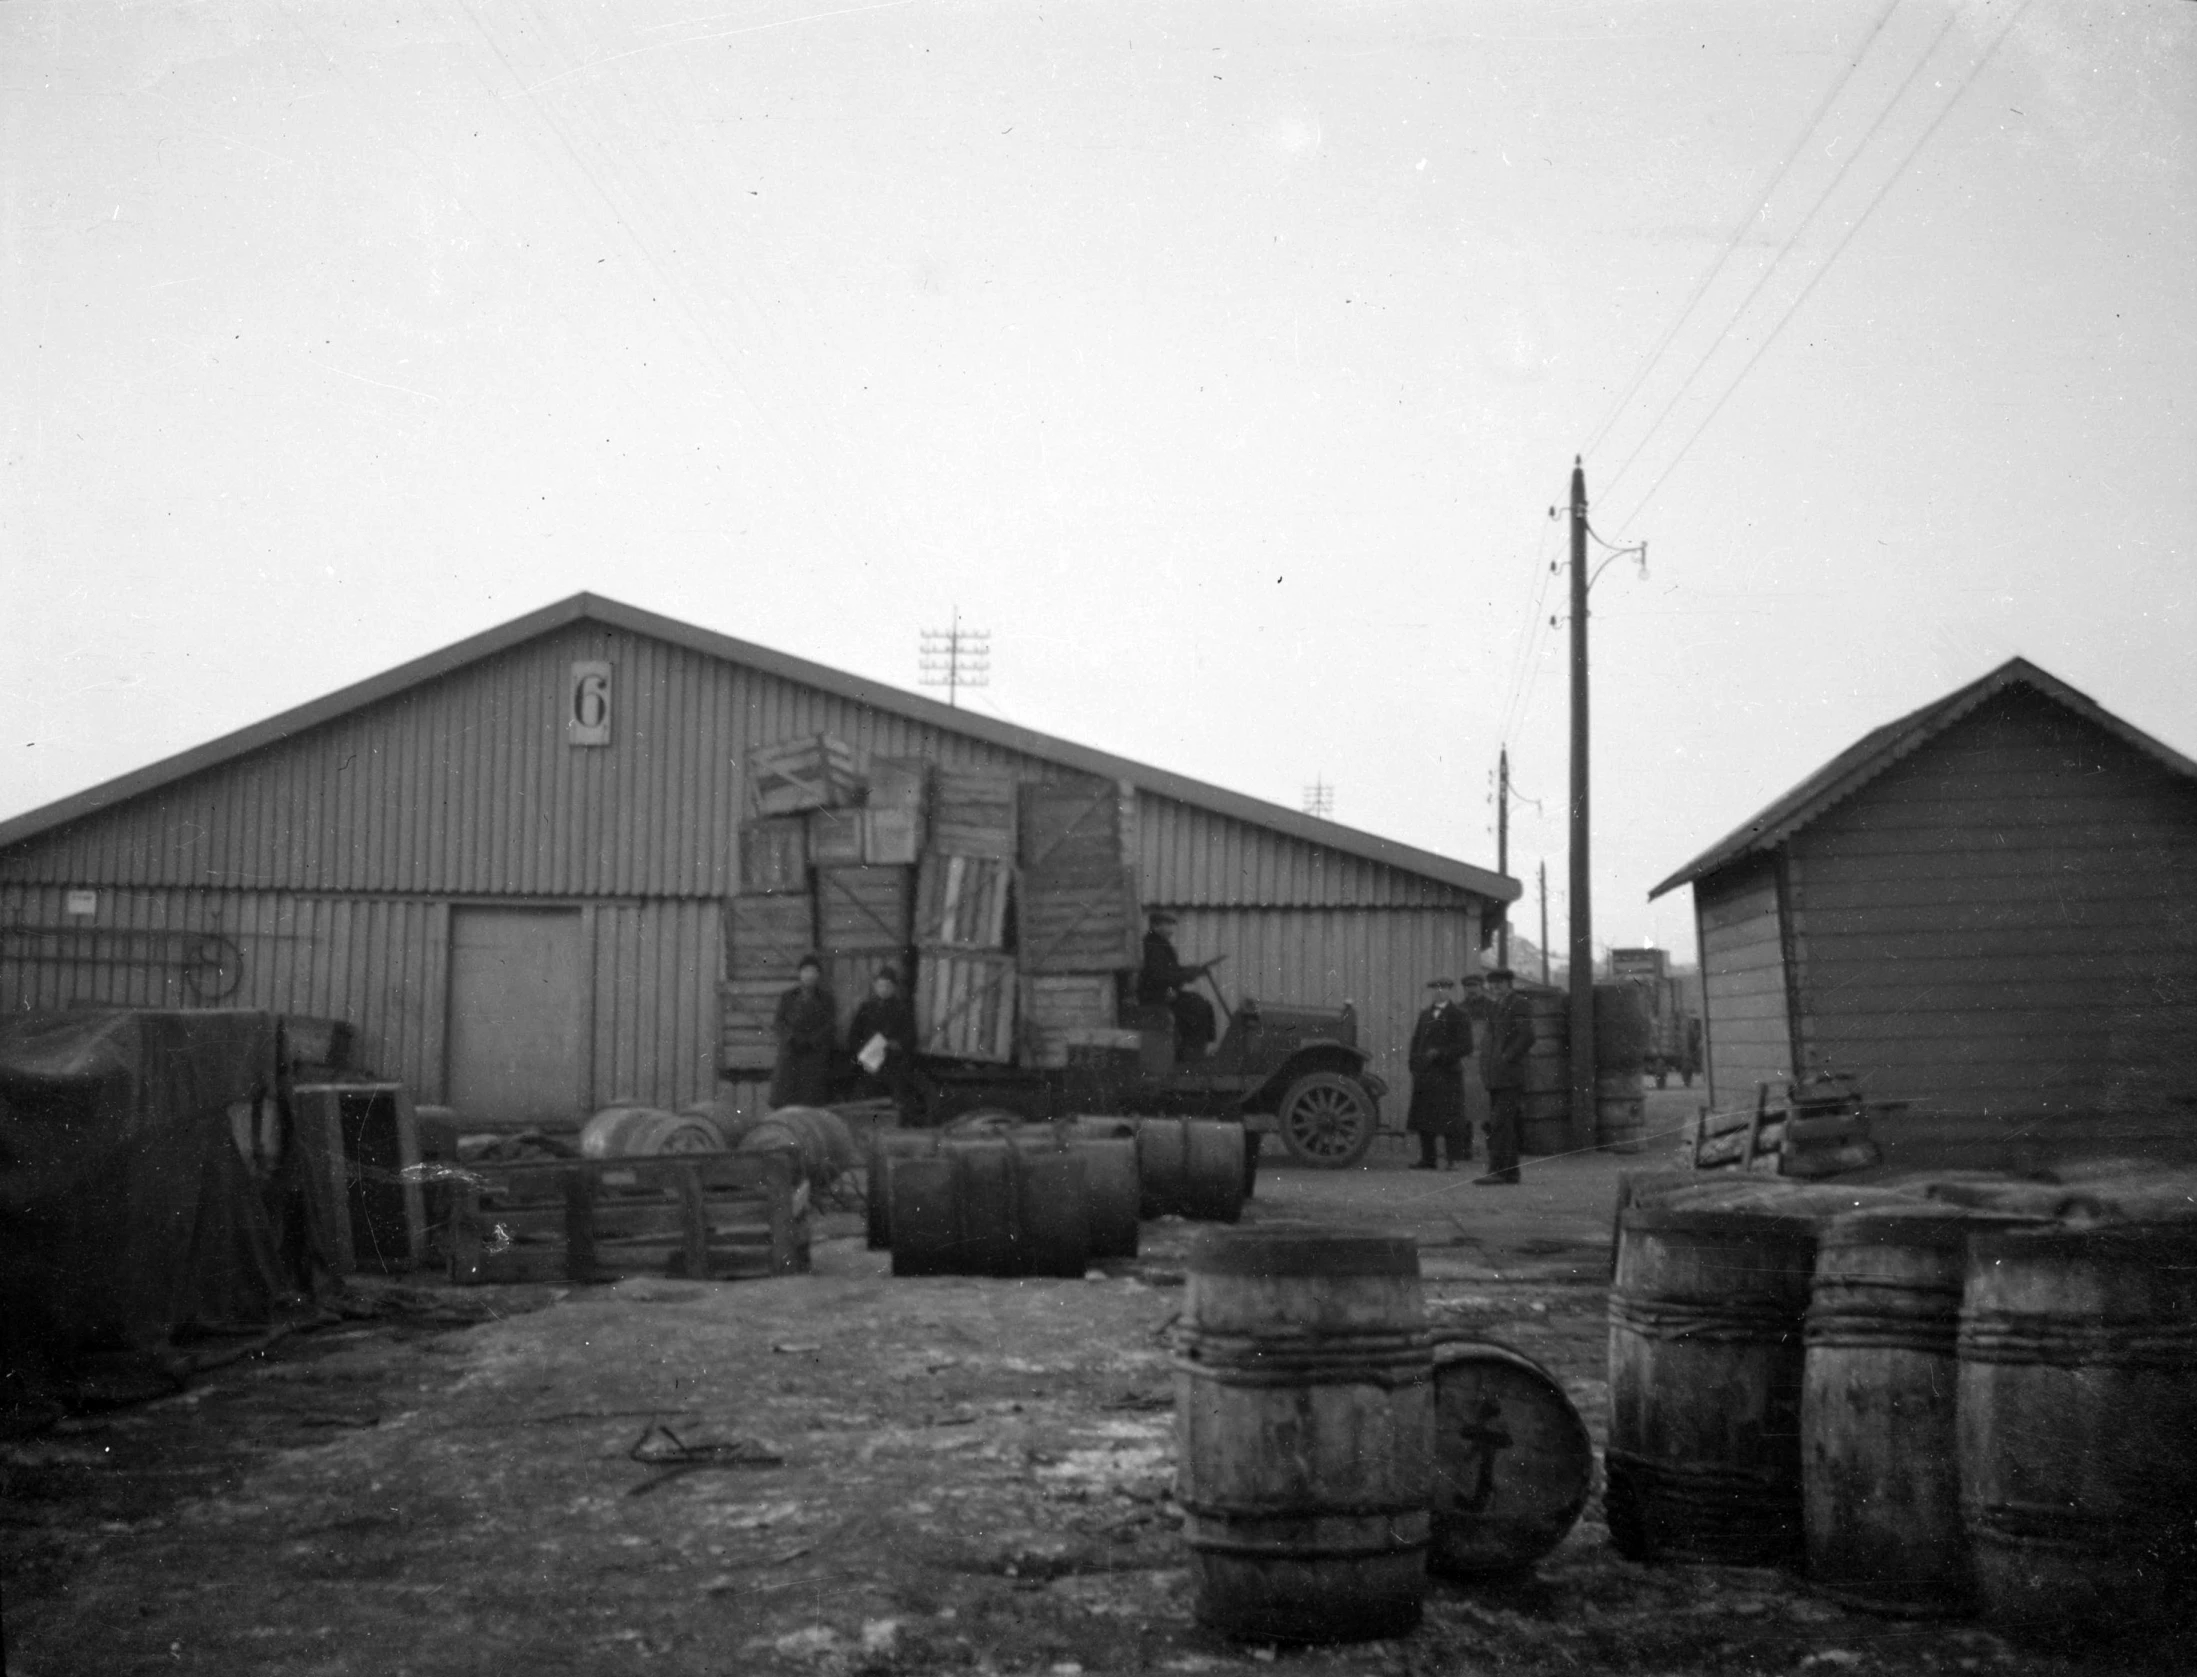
column 587, row 718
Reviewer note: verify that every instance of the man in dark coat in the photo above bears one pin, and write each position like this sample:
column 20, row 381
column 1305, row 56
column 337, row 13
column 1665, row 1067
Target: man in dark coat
column 1164, row 981
column 1508, row 1039
column 808, row 1030
column 1440, row 1043
column 881, row 1040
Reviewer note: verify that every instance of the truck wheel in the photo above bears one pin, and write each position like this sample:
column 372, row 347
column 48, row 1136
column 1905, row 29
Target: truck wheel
column 1327, row 1120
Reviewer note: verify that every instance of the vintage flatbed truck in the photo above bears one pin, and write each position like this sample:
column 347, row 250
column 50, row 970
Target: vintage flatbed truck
column 1282, row 1070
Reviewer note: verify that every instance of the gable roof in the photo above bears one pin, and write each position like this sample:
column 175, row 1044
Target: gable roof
column 1878, row 750
column 593, row 608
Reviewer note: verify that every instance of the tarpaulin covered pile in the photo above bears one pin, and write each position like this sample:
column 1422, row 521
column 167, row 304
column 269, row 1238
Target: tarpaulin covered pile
column 146, row 1191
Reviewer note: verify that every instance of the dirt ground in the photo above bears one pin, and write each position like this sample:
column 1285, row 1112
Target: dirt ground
column 919, row 1476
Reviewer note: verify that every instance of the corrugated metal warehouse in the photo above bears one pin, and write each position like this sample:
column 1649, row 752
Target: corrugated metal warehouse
column 395, row 853
column 1987, row 908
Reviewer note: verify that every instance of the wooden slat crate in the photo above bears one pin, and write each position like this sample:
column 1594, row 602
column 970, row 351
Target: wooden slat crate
column 813, row 772
column 1060, row 1011
column 835, row 837
column 765, row 937
column 961, row 901
column 774, row 855
column 973, row 814
column 862, row 909
column 965, row 1006
column 892, row 837
column 706, row 1216
column 749, row 1040
column 1076, row 828
column 1084, row 922
column 901, row 783
column 1819, row 1127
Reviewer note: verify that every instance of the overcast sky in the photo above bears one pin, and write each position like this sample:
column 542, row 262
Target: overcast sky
column 1223, row 361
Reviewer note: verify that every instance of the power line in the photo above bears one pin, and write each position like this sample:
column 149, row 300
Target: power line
column 1837, row 250
column 1739, row 232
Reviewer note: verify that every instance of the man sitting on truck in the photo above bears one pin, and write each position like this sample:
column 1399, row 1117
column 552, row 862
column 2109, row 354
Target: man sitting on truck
column 1165, row 981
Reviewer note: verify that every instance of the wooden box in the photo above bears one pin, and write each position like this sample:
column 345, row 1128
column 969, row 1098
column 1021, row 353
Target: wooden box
column 862, row 909
column 748, row 1042
column 813, row 772
column 961, row 901
column 705, row 1216
column 901, row 783
column 765, row 937
column 361, row 1147
column 1083, row 922
column 835, row 837
column 892, row 837
column 1076, row 828
column 1059, row 1011
column 965, row 1007
column 973, row 814
column 774, row 855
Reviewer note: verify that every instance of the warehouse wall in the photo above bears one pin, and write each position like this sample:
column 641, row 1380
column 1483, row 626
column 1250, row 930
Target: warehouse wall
column 1744, row 1004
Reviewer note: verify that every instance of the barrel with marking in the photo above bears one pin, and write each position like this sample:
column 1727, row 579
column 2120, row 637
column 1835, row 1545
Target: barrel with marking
column 1513, row 1462
column 2078, row 1428
column 1304, row 1433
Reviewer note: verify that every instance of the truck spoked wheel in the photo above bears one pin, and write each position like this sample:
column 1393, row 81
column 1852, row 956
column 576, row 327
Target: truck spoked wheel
column 1327, row 1120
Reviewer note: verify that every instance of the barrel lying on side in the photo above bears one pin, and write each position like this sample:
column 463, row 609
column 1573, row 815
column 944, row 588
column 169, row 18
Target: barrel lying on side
column 1513, row 1461
column 1304, row 1433
column 989, row 1209
column 1109, row 1174
column 633, row 1132
column 1191, row 1167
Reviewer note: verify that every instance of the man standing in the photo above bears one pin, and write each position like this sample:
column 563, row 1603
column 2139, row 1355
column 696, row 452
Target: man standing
column 1164, row 981
column 1503, row 1072
column 881, row 1038
column 1440, row 1043
column 808, row 1029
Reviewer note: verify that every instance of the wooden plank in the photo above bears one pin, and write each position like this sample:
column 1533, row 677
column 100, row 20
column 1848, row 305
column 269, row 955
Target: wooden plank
column 2045, row 894
column 973, row 814
column 774, row 856
column 1715, row 1151
column 2162, row 840
column 816, row 771
column 965, row 1006
column 766, row 936
column 961, row 902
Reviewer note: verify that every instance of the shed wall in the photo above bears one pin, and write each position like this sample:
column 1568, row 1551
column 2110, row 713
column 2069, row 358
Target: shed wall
column 1744, row 1011
column 2002, row 929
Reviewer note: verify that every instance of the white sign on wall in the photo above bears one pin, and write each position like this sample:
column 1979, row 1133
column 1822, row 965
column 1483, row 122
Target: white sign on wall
column 80, row 903
column 587, row 713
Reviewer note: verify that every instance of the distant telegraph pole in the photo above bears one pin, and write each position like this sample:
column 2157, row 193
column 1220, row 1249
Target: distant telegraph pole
column 955, row 658
column 1544, row 925
column 1581, row 911
column 1502, row 850
column 1319, row 799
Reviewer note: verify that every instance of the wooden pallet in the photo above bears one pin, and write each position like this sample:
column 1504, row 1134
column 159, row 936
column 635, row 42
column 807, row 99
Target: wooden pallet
column 705, row 1216
column 1817, row 1127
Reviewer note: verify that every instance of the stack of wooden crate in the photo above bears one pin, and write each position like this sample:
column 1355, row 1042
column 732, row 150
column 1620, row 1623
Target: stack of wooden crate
column 965, row 979
column 1076, row 908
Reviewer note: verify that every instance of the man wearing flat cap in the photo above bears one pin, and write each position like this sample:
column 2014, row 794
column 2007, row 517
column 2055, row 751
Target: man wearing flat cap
column 1163, row 981
column 1508, row 1040
column 1440, row 1043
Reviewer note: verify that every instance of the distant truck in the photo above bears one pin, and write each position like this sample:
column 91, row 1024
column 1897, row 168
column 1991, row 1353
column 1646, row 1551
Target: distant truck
column 1674, row 1025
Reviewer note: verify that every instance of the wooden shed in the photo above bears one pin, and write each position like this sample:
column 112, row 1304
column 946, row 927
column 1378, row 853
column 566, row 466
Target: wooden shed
column 508, row 864
column 1987, row 909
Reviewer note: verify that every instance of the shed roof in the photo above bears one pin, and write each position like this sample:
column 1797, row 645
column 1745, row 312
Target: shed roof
column 1878, row 750
column 595, row 608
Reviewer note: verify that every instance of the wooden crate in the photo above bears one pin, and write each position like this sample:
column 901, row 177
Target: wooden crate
column 706, row 1216
column 835, row 837
column 862, row 909
column 892, row 837
column 961, row 901
column 1084, row 922
column 965, row 1007
column 749, row 1038
column 765, row 937
column 901, row 783
column 774, row 855
column 813, row 772
column 1078, row 828
column 973, row 814
column 360, row 1145
column 1060, row 1011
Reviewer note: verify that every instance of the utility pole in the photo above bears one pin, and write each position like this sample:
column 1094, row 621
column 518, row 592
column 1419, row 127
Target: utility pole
column 1544, row 925
column 1502, row 847
column 1582, row 907
column 955, row 658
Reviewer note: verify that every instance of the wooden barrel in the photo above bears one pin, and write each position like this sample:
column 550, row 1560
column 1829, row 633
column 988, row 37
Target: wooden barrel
column 1703, row 1460
column 1304, row 1417
column 1513, row 1462
column 1621, row 1030
column 818, row 1138
column 886, row 1146
column 1880, row 1474
column 1545, row 1119
column 1191, row 1167
column 1545, row 1122
column 634, row 1132
column 988, row 1208
column 1620, row 1112
column 2077, row 1420
column 731, row 1123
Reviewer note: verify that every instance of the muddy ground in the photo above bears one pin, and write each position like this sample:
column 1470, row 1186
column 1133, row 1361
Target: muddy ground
column 916, row 1476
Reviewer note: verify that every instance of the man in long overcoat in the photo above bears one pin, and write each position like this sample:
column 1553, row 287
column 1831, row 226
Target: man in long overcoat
column 1508, row 1040
column 1440, row 1043
column 886, row 1019
column 808, row 1031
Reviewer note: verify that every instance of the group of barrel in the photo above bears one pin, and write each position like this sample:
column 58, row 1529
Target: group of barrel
column 1952, row 1396
column 994, row 1196
column 1332, row 1450
column 817, row 1138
